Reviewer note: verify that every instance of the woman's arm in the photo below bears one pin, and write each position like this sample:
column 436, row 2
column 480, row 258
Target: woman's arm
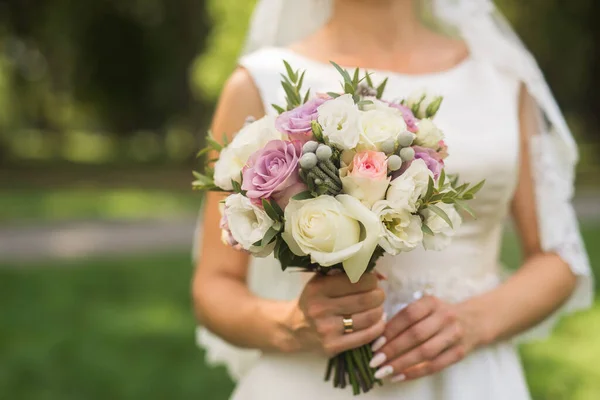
column 222, row 300
column 430, row 334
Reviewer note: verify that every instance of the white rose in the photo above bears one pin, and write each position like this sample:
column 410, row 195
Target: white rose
column 406, row 189
column 378, row 126
column 340, row 120
column 249, row 139
column 428, row 134
column 248, row 223
column 333, row 230
column 401, row 229
column 442, row 232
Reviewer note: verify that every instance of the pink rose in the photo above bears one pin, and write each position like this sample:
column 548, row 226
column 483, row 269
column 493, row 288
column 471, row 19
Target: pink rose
column 272, row 172
column 407, row 114
column 366, row 177
column 296, row 123
column 369, row 164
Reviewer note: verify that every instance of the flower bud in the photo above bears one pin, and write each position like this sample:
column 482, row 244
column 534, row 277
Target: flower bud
column 394, row 162
column 323, row 152
column 388, row 146
column 406, row 154
column 308, row 161
column 433, row 107
column 406, row 138
column 310, row 147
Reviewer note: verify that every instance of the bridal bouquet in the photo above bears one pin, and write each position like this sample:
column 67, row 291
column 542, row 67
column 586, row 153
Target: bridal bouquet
column 336, row 181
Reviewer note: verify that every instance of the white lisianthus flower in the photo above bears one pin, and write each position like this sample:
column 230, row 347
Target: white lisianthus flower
column 333, row 230
column 249, row 139
column 428, row 135
column 405, row 190
column 442, row 232
column 340, row 120
column 379, row 125
column 401, row 229
column 248, row 223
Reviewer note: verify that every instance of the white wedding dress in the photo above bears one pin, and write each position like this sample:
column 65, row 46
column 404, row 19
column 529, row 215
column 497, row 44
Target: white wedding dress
column 479, row 117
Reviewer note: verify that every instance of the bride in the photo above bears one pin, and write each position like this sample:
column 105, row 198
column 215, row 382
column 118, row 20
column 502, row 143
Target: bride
column 455, row 338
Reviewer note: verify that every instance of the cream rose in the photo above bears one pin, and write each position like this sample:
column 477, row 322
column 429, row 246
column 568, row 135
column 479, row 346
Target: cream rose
column 379, row 125
column 428, row 135
column 249, row 139
column 340, row 120
column 332, row 230
column 366, row 177
column 401, row 229
column 405, row 190
column 248, row 223
column 442, row 232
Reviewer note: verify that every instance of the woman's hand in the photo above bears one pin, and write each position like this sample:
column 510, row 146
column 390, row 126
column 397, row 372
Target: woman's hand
column 323, row 304
column 423, row 338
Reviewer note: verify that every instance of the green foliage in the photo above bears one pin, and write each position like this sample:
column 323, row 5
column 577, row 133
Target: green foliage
column 292, row 85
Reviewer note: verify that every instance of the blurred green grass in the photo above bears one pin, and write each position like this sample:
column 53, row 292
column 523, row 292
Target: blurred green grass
column 123, row 328
column 52, row 205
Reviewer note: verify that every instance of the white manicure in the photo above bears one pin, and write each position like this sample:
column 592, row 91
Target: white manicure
column 377, row 360
column 398, row 378
column 384, row 317
column 417, row 295
column 378, row 343
column 383, row 372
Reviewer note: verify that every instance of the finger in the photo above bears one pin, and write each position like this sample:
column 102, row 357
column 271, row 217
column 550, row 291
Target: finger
column 410, row 315
column 443, row 360
column 414, row 336
column 357, row 303
column 360, row 321
column 427, row 351
column 340, row 285
column 354, row 340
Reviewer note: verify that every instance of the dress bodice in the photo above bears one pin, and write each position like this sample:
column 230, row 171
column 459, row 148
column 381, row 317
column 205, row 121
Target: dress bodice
column 479, row 117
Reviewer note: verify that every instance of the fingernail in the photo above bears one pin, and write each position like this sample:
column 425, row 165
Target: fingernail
column 377, row 360
column 417, row 295
column 398, row 378
column 383, row 372
column 378, row 343
column 384, row 317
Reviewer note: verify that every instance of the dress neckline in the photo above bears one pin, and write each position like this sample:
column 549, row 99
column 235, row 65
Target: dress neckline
column 463, row 64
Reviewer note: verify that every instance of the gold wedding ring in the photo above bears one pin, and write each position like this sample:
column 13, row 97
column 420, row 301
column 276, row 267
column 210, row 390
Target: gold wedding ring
column 348, row 324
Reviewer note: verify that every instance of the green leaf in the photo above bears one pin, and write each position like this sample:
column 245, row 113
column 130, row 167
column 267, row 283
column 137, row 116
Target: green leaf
column 293, row 76
column 292, row 97
column 441, row 213
column 355, row 78
column 215, row 145
column 303, row 195
column 368, row 78
column 442, row 178
column 364, row 103
column 461, row 205
column 349, row 88
column 203, row 151
column 237, row 188
column 467, row 196
column 343, row 72
column 461, row 188
column 426, row 230
column 301, row 80
column 381, row 88
column 430, row 187
column 279, row 110
column 473, row 190
column 306, row 96
column 333, row 94
column 269, row 236
column 453, row 179
column 272, row 209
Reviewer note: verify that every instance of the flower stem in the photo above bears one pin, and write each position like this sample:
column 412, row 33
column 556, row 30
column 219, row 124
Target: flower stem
column 351, row 372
